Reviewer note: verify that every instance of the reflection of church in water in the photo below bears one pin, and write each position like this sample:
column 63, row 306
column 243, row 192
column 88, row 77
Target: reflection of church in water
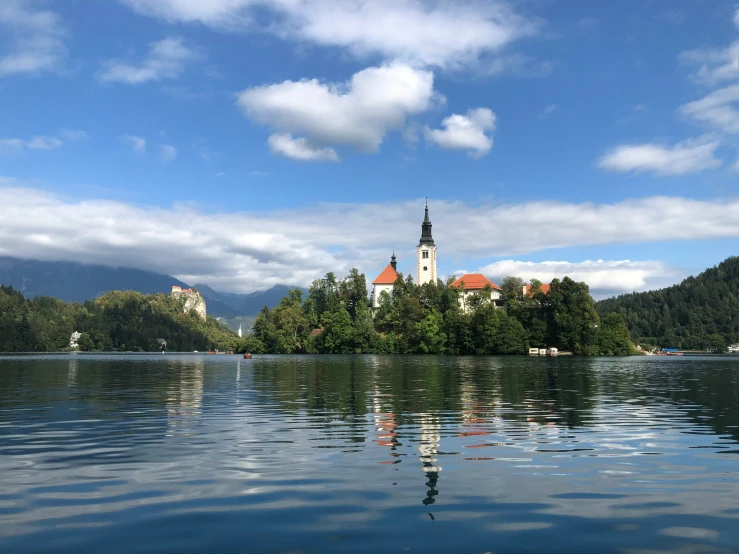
column 386, row 426
column 427, row 427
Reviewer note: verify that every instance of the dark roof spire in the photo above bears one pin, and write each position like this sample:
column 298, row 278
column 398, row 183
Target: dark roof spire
column 393, row 261
column 426, row 237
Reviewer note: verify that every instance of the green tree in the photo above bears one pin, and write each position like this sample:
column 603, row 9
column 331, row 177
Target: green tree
column 613, row 336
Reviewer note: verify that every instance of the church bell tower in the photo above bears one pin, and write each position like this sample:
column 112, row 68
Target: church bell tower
column 426, row 252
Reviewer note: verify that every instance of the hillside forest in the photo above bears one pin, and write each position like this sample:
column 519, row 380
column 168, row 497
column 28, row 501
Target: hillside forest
column 117, row 321
column 701, row 313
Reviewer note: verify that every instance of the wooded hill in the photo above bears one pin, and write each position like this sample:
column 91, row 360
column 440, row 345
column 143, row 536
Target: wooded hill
column 117, row 321
column 700, row 313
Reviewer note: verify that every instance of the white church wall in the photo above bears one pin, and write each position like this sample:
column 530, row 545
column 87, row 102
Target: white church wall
column 378, row 291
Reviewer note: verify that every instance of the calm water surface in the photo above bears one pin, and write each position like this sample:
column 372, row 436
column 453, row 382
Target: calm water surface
column 368, row 454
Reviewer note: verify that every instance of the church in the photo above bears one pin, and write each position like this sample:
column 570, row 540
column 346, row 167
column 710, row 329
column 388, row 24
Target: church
column 469, row 284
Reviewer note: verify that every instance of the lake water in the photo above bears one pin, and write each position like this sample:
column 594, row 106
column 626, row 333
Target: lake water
column 368, row 454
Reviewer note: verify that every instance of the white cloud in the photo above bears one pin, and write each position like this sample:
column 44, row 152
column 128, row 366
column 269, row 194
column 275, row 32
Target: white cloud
column 167, row 152
column 714, row 64
column 718, row 109
column 137, row 143
column 690, row 156
column 71, row 135
column 44, row 143
column 39, row 142
column 465, row 132
column 248, row 250
column 166, row 60
column 33, row 39
column 358, row 113
column 548, row 110
column 605, row 278
column 420, row 32
column 300, row 149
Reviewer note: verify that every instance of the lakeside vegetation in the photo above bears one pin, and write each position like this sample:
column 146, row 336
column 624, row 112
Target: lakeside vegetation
column 335, row 318
column 701, row 313
column 117, row 321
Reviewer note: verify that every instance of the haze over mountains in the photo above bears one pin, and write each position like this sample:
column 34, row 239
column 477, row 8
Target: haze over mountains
column 76, row 282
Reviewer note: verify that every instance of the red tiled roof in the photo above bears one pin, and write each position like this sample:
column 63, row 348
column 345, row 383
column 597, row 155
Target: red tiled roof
column 316, row 332
column 544, row 289
column 474, row 281
column 387, row 277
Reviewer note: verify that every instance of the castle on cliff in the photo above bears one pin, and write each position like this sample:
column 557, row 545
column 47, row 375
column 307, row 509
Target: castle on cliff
column 471, row 283
column 193, row 300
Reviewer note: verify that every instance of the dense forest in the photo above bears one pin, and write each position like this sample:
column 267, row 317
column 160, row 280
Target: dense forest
column 428, row 319
column 700, row 313
column 117, row 321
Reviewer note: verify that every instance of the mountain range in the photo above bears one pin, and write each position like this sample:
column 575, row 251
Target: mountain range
column 76, row 282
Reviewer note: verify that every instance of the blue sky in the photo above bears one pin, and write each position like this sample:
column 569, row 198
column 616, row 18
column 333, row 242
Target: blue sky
column 244, row 143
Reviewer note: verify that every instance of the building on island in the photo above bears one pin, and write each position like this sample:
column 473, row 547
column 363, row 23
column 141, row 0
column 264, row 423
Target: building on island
column 384, row 281
column 527, row 289
column 473, row 283
column 426, row 273
column 74, row 339
column 240, row 333
column 426, row 248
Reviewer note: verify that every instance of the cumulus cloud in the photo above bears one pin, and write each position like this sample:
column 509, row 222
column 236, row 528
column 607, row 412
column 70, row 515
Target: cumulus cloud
column 250, row 250
column 167, row 152
column 465, row 132
column 605, row 278
column 690, row 156
column 420, row 32
column 166, row 59
column 300, row 149
column 358, row 113
column 33, row 39
column 40, row 142
column 138, row 144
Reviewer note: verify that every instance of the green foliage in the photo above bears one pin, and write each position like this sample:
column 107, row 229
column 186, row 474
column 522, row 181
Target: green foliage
column 428, row 319
column 116, row 321
column 698, row 314
column 613, row 336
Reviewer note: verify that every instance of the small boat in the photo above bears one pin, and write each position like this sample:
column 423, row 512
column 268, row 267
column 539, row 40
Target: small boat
column 247, row 356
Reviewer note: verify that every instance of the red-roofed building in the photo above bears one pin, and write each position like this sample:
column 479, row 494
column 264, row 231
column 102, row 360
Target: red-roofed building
column 472, row 283
column 527, row 289
column 384, row 281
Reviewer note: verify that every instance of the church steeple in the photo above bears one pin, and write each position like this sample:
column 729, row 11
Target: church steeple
column 426, row 252
column 393, row 261
column 426, row 237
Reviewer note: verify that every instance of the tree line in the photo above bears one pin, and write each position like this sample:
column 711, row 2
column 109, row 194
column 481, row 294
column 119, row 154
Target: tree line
column 117, row 321
column 427, row 319
column 701, row 313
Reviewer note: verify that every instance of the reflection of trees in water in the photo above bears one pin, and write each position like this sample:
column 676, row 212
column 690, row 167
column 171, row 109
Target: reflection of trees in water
column 708, row 393
column 185, row 398
column 540, row 391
